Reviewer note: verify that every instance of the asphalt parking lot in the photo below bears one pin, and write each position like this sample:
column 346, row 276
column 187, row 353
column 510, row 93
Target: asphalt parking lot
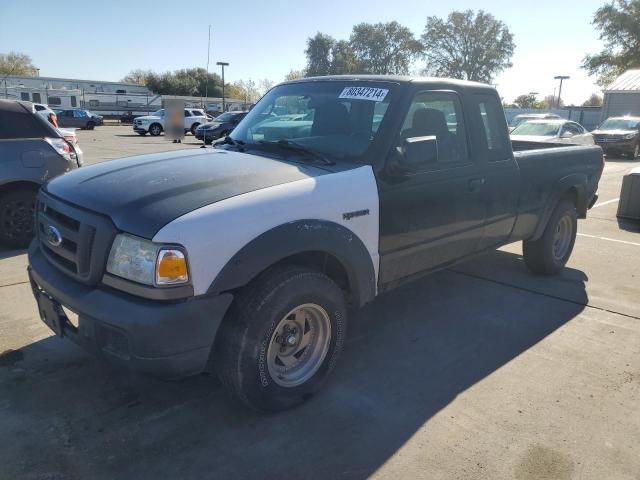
column 479, row 371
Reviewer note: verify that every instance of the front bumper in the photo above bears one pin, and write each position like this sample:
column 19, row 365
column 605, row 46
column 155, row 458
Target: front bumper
column 165, row 339
column 624, row 146
column 139, row 129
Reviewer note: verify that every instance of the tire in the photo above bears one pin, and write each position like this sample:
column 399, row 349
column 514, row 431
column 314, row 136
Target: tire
column 193, row 128
column 155, row 129
column 17, row 208
column 91, row 126
column 550, row 253
column 265, row 333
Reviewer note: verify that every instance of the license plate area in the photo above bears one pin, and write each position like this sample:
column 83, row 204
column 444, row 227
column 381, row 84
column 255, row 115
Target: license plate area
column 52, row 313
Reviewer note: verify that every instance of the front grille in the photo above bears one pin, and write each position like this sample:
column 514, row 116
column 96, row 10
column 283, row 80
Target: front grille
column 608, row 138
column 73, row 239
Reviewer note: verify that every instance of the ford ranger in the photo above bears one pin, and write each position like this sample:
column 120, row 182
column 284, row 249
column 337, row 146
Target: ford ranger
column 250, row 254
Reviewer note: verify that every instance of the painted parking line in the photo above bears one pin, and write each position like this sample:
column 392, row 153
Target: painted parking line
column 609, row 239
column 602, row 204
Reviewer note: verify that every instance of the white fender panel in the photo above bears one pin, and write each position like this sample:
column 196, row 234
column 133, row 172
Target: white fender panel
column 213, row 234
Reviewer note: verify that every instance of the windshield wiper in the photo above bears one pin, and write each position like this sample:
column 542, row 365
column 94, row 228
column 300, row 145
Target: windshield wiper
column 296, row 147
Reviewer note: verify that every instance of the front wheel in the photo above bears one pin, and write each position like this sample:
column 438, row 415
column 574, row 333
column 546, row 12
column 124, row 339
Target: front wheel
column 91, row 126
column 550, row 253
column 193, row 128
column 155, row 129
column 282, row 338
column 17, row 208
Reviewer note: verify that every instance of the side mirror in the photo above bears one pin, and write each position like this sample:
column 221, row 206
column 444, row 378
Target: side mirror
column 418, row 152
column 566, row 135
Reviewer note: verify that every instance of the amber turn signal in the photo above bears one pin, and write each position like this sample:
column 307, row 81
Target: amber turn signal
column 171, row 267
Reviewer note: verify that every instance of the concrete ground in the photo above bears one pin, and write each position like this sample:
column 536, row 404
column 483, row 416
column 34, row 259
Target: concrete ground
column 482, row 371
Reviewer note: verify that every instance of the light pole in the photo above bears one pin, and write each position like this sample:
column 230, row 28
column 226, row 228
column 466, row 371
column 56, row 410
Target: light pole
column 206, row 85
column 223, row 64
column 561, row 78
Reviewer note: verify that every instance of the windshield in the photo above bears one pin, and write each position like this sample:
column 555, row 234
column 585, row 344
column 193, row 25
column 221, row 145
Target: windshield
column 225, row 117
column 335, row 119
column 620, row 124
column 158, row 113
column 538, row 129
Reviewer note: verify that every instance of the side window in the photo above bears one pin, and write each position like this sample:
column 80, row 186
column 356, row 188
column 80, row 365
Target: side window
column 20, row 125
column 55, row 101
column 36, row 97
column 187, row 113
column 74, row 102
column 94, row 103
column 438, row 114
column 494, row 126
column 24, row 96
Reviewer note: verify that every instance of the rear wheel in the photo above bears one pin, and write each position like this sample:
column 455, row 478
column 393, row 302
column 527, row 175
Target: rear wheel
column 155, row 129
column 17, row 208
column 550, row 253
column 282, row 338
column 91, row 126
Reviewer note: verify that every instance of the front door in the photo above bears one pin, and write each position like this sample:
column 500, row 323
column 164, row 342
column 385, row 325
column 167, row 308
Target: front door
column 434, row 216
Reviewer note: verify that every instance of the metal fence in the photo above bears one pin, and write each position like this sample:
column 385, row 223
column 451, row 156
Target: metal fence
column 588, row 117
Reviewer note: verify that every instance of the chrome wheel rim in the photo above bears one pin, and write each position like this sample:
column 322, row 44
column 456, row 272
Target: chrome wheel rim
column 299, row 345
column 562, row 237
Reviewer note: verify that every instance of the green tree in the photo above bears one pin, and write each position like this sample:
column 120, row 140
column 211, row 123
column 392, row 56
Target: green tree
column 619, row 25
column 594, row 100
column 137, row 76
column 467, row 45
column 343, row 59
column 295, row 75
column 318, row 54
column 15, row 63
column 526, row 101
column 384, row 48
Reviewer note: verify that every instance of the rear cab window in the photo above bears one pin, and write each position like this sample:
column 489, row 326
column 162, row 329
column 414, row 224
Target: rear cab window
column 495, row 140
column 21, row 124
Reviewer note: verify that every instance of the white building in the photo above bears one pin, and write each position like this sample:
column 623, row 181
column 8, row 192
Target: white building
column 622, row 96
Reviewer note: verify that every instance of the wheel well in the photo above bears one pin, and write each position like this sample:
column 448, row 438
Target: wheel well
column 322, row 262
column 18, row 185
column 155, row 123
column 574, row 197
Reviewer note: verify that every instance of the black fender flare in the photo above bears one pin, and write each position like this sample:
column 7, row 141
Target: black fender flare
column 577, row 182
column 299, row 237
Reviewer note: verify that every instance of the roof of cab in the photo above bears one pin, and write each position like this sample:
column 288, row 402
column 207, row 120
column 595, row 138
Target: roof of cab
column 394, row 79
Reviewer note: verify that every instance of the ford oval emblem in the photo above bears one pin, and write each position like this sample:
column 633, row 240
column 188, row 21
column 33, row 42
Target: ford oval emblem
column 53, row 236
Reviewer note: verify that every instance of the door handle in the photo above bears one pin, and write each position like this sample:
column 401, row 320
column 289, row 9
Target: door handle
column 476, row 184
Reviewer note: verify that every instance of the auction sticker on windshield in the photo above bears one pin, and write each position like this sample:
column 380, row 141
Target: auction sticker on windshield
column 364, row 93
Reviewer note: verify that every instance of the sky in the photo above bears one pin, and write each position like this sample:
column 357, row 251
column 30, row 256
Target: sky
column 266, row 39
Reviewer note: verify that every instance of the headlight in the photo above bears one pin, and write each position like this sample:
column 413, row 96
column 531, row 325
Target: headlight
column 143, row 261
column 629, row 136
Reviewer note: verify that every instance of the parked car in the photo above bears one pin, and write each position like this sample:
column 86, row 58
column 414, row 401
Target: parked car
column 222, row 126
column 78, row 118
column 154, row 123
column 31, row 152
column 552, row 131
column 524, row 117
column 248, row 254
column 619, row 135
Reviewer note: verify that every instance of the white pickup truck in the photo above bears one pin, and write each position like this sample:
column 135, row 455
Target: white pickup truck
column 154, row 124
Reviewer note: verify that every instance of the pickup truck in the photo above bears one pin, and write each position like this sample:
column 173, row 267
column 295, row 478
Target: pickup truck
column 153, row 124
column 248, row 256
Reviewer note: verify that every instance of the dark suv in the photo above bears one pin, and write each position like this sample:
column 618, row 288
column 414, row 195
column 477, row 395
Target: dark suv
column 78, row 118
column 219, row 127
column 31, row 152
column 619, row 135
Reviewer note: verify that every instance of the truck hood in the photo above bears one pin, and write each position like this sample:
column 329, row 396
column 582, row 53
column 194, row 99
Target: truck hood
column 142, row 194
